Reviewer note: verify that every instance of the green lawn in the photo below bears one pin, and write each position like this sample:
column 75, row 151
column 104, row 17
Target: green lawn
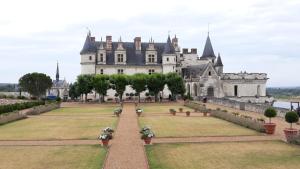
column 49, row 157
column 181, row 126
column 56, row 127
column 163, row 108
column 83, row 111
column 246, row 155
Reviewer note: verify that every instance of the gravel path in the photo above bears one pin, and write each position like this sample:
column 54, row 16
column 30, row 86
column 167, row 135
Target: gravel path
column 127, row 149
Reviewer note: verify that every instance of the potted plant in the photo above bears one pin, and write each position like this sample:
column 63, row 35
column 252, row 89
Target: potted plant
column 195, row 110
column 139, row 111
column 270, row 113
column 106, row 135
column 180, row 109
column 117, row 111
column 187, row 113
column 147, row 134
column 290, row 133
column 205, row 112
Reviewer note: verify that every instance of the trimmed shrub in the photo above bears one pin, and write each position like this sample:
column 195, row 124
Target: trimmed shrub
column 244, row 120
column 270, row 113
column 19, row 106
column 291, row 117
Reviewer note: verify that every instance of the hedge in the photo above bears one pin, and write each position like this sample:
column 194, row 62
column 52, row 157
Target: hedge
column 19, row 106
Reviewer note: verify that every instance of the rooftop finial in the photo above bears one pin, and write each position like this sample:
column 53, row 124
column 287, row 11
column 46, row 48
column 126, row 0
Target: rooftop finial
column 120, row 39
column 89, row 31
column 57, row 72
column 208, row 29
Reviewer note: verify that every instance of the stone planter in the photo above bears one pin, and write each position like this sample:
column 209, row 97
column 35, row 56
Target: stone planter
column 105, row 142
column 270, row 128
column 138, row 113
column 204, row 114
column 147, row 140
column 187, row 113
column 290, row 134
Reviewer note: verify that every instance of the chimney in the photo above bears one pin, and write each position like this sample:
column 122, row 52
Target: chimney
column 93, row 39
column 137, row 43
column 194, row 50
column 108, row 43
column 185, row 50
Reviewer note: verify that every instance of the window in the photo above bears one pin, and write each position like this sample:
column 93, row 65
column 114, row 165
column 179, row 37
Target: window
column 209, row 73
column 90, row 58
column 101, row 57
column 120, row 57
column 151, row 58
column 151, row 71
column 167, row 59
column 235, row 90
column 101, row 71
column 120, row 71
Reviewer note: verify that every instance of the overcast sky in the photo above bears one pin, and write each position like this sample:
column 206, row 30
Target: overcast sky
column 252, row 36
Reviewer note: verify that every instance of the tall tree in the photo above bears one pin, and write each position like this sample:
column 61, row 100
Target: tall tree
column 85, row 84
column 35, row 83
column 119, row 82
column 138, row 83
column 175, row 84
column 156, row 83
column 101, row 85
column 74, row 90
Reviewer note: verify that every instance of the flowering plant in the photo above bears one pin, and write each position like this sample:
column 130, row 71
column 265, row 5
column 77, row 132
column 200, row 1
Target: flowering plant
column 118, row 111
column 139, row 110
column 146, row 133
column 106, row 134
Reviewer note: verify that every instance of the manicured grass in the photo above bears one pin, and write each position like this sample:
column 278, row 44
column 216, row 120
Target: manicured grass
column 163, row 108
column 56, row 127
column 83, row 111
column 180, row 126
column 42, row 157
column 246, row 155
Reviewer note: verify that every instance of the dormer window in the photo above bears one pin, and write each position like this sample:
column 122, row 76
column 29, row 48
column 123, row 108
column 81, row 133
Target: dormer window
column 120, row 58
column 151, row 58
column 101, row 57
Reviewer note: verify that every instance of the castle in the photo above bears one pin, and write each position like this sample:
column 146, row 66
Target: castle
column 203, row 75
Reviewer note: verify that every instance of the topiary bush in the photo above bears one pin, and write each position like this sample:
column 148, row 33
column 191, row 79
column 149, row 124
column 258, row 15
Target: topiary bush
column 291, row 117
column 270, row 113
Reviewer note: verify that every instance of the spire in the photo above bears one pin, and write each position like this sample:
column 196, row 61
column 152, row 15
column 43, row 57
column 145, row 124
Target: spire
column 169, row 48
column 208, row 51
column 57, row 72
column 101, row 44
column 219, row 61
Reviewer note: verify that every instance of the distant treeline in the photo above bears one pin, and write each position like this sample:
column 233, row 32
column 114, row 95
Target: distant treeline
column 8, row 87
column 284, row 92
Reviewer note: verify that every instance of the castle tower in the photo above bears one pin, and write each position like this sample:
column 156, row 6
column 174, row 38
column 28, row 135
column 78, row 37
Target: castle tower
column 169, row 57
column 219, row 65
column 208, row 52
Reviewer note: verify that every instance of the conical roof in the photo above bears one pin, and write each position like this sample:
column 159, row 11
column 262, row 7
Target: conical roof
column 219, row 61
column 208, row 51
column 169, row 48
column 57, row 72
column 89, row 46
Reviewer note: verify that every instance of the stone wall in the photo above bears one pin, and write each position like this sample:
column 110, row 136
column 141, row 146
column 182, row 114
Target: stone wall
column 16, row 115
column 259, row 108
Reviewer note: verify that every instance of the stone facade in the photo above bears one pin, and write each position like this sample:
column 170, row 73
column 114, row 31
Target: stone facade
column 203, row 76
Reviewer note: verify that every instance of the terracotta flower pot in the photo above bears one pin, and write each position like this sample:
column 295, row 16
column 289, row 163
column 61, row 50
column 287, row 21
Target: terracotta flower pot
column 138, row 113
column 205, row 114
column 290, row 134
column 105, row 142
column 174, row 113
column 147, row 140
column 187, row 113
column 270, row 128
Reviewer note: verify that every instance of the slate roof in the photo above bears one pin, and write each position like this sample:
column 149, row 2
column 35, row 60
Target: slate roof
column 58, row 83
column 133, row 57
column 194, row 71
column 219, row 61
column 208, row 51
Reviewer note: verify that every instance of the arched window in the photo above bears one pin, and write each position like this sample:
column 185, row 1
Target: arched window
column 209, row 73
column 195, row 90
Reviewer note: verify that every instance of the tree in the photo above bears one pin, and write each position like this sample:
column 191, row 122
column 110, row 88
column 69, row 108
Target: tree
column 101, row 85
column 155, row 84
column 74, row 90
column 35, row 83
column 119, row 83
column 175, row 84
column 85, row 85
column 138, row 83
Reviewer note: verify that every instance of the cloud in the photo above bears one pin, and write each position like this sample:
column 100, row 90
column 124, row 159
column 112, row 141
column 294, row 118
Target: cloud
column 258, row 36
